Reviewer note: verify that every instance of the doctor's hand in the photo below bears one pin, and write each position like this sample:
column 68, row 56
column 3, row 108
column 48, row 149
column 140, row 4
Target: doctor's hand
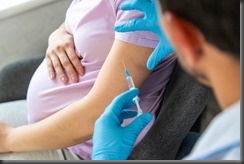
column 111, row 141
column 149, row 22
column 61, row 55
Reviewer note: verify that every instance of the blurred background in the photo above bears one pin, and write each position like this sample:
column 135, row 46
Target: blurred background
column 25, row 26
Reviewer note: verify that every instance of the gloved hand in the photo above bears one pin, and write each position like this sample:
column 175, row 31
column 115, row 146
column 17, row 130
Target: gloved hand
column 111, row 141
column 149, row 22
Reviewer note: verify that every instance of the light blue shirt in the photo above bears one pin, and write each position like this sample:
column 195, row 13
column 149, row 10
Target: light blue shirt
column 221, row 139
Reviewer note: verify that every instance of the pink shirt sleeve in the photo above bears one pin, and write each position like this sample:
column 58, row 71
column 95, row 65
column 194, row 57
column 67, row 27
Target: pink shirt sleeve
column 140, row 38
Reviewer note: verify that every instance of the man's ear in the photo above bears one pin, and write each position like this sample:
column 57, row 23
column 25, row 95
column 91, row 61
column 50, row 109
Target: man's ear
column 184, row 37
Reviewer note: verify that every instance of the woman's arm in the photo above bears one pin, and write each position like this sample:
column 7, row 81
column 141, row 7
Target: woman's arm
column 74, row 124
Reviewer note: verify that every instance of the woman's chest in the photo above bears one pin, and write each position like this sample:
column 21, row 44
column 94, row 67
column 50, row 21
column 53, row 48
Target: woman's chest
column 91, row 22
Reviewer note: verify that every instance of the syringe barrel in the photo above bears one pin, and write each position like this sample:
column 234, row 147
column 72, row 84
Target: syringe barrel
column 130, row 82
column 136, row 99
column 131, row 85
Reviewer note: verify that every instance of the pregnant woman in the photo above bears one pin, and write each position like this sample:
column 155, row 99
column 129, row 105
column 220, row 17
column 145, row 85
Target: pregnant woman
column 62, row 116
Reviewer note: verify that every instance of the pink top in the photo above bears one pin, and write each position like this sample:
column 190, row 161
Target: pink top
column 91, row 22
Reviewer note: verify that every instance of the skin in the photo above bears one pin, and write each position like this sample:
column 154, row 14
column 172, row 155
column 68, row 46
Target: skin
column 74, row 124
column 61, row 54
column 208, row 64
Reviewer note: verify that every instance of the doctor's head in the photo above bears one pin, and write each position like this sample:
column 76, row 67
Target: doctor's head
column 204, row 33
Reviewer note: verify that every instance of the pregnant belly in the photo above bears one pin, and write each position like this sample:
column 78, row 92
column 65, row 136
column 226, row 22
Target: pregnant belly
column 46, row 97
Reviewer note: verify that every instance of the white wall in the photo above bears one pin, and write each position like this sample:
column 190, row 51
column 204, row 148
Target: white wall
column 26, row 34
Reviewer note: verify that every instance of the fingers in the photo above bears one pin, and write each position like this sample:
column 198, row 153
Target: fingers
column 154, row 58
column 131, row 25
column 125, row 114
column 62, row 60
column 134, row 5
column 140, row 123
column 59, row 60
column 129, row 104
column 121, row 101
column 58, row 68
column 158, row 54
column 50, row 68
column 75, row 60
column 67, row 65
column 135, row 24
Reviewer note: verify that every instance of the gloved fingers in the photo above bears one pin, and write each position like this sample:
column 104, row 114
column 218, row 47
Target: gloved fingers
column 161, row 51
column 139, row 123
column 127, row 113
column 130, row 104
column 154, row 58
column 163, row 38
column 121, row 101
column 133, row 5
column 131, row 25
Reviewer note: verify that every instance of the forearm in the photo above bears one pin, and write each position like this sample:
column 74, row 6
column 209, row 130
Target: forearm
column 74, row 124
column 68, row 127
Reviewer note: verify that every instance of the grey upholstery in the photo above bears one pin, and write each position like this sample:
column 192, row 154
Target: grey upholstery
column 183, row 102
column 15, row 78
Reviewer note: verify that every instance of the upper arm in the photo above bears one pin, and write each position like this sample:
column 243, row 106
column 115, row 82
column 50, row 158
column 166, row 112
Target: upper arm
column 111, row 80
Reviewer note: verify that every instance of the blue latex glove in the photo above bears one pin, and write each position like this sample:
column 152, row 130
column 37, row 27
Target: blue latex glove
column 147, row 23
column 111, row 141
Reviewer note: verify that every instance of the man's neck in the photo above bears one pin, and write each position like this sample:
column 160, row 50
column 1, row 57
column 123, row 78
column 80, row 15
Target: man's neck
column 225, row 80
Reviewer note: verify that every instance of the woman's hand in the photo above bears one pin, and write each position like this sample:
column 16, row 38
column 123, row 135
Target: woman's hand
column 61, row 55
column 5, row 131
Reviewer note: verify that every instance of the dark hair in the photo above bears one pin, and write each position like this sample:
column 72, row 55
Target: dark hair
column 218, row 20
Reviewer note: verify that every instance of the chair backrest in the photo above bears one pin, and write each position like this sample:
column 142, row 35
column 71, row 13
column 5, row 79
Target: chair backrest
column 15, row 78
column 183, row 102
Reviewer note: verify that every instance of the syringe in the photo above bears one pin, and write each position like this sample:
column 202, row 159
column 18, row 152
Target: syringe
column 131, row 85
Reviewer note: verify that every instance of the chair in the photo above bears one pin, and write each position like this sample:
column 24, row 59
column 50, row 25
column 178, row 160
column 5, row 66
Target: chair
column 15, row 78
column 180, row 113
